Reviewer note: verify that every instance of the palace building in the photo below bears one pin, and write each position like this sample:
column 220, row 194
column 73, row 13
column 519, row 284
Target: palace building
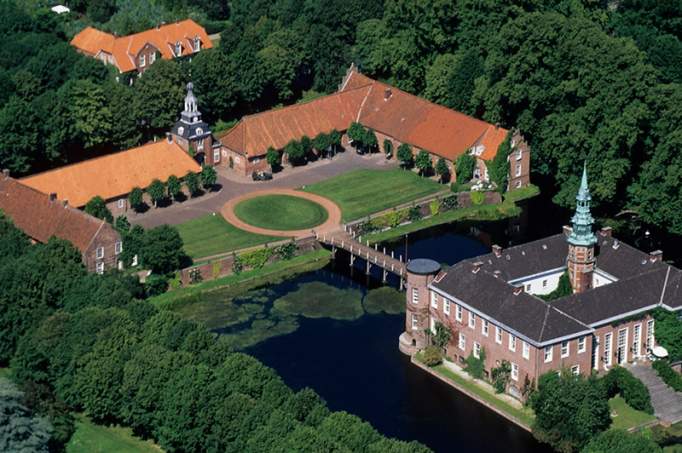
column 493, row 302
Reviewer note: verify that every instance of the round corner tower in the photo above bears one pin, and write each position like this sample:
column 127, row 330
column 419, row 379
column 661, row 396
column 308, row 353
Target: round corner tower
column 420, row 273
column 581, row 260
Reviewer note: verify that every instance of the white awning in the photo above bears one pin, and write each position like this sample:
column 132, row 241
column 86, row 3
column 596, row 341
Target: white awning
column 660, row 352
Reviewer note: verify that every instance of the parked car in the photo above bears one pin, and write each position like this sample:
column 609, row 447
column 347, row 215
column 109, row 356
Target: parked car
column 261, row 176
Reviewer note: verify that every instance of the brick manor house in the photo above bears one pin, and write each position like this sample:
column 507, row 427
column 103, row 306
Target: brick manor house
column 392, row 114
column 491, row 302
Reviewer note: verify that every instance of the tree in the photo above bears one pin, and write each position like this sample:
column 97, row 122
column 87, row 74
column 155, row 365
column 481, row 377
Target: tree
column 322, row 143
column 214, row 83
column 192, row 183
column 274, row 159
column 617, row 440
column 18, row 135
column 98, row 208
column 156, row 191
column 159, row 95
column 370, row 140
column 405, row 155
column 14, row 242
column 442, row 170
column 423, row 163
column 126, row 132
column 569, row 410
column 669, row 333
column 450, row 79
column 464, row 168
column 89, row 112
column 173, row 186
column 208, row 177
column 136, row 199
column 498, row 168
column 442, row 336
column 20, row 430
column 295, row 152
column 356, row 132
column 162, row 250
column 335, row 140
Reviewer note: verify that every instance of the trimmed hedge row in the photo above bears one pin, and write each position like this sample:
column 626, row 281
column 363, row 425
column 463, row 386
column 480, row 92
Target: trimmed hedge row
column 668, row 375
column 633, row 391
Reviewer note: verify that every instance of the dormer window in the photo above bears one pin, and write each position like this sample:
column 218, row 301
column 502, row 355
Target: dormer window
column 152, row 57
column 142, row 60
column 181, row 130
column 178, row 49
column 197, row 44
column 199, row 131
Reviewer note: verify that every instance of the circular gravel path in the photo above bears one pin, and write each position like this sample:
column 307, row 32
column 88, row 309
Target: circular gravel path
column 332, row 223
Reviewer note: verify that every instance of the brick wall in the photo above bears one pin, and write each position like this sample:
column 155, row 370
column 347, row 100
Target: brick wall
column 614, row 329
column 523, row 163
column 106, row 238
column 149, row 52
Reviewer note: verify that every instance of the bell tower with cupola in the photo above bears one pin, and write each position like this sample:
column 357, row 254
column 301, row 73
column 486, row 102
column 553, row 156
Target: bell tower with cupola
column 193, row 134
column 581, row 241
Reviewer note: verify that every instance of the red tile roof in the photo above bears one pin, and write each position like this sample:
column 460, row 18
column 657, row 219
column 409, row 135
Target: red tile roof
column 114, row 175
column 386, row 109
column 41, row 218
column 125, row 49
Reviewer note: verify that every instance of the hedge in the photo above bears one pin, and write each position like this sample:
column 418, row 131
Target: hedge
column 668, row 375
column 633, row 391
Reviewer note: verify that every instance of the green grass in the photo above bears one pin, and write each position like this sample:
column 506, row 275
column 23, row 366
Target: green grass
column 625, row 416
column 249, row 279
column 522, row 194
column 92, row 438
column 281, row 212
column 362, row 192
column 212, row 234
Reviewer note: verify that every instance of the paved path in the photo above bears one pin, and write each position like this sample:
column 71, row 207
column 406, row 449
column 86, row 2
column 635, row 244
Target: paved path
column 234, row 185
column 332, row 223
column 666, row 401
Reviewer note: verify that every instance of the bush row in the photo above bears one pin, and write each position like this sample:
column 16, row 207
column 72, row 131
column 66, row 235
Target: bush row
column 633, row 391
column 668, row 375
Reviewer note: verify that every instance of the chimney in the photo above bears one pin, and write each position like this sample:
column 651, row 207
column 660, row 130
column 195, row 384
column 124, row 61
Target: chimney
column 656, row 256
column 53, row 196
column 497, row 250
column 567, row 230
column 5, row 173
column 477, row 267
column 387, row 94
column 606, row 232
column 518, row 290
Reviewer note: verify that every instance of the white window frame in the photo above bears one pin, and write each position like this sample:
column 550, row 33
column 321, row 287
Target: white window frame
column 99, row 253
column 519, row 153
column 512, row 343
column 434, row 300
column 458, row 313
column 514, row 371
column 526, row 350
column 143, row 60
column 650, row 338
column 472, row 320
column 197, row 44
column 100, row 267
column 446, row 306
column 477, row 350
column 637, row 340
column 152, row 57
column 549, row 353
column 121, row 203
column 518, row 170
column 415, row 322
column 178, row 49
column 118, row 247
column 484, row 327
column 575, row 370
column 625, row 333
column 462, row 342
column 565, row 349
column 415, row 296
column 608, row 352
column 582, row 345
column 498, row 335
column 216, row 155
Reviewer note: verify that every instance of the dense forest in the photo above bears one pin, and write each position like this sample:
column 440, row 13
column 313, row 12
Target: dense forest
column 586, row 80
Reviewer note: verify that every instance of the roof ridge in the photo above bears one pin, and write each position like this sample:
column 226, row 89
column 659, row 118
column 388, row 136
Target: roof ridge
column 364, row 100
column 544, row 323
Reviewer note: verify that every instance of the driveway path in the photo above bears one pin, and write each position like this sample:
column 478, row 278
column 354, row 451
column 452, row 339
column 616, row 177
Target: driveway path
column 332, row 223
column 234, row 185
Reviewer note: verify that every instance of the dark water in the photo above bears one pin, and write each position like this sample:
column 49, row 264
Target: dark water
column 356, row 365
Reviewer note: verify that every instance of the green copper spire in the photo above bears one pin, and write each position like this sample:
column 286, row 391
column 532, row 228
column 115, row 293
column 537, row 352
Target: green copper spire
column 582, row 219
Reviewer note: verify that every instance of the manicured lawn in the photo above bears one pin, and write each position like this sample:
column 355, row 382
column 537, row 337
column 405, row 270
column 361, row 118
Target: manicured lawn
column 91, row 438
column 211, row 234
column 624, row 416
column 281, row 212
column 362, row 192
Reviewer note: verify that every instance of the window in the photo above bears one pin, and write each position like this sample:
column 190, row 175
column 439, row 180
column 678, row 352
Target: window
column 100, row 252
column 100, row 267
column 121, row 203
column 519, row 154
column 197, row 44
column 484, row 328
column 458, row 313
column 152, row 57
column 512, row 342
column 472, row 320
column 200, row 145
column 216, row 155
column 544, row 283
column 607, row 349
column 548, row 354
column 415, row 322
column 434, row 300
column 581, row 345
column 462, row 344
column 518, row 184
column 498, row 335
column 650, row 335
column 477, row 350
column 142, row 60
column 565, row 349
column 518, row 170
column 118, row 247
column 446, row 306
column 637, row 339
column 526, row 351
column 514, row 371
column 528, row 287
column 415, row 296
column 178, row 49
column 575, row 369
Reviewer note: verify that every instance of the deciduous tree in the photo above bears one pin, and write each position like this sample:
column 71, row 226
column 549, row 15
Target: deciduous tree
column 208, row 177
column 98, row 208
column 156, row 191
column 173, row 186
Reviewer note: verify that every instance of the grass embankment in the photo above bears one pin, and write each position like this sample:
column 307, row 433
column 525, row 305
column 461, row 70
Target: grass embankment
column 362, row 192
column 245, row 280
column 506, row 209
column 212, row 234
column 281, row 212
column 625, row 417
column 92, row 438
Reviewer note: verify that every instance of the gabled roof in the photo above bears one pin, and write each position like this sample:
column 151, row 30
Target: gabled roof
column 126, row 48
column 114, row 175
column 396, row 113
column 41, row 218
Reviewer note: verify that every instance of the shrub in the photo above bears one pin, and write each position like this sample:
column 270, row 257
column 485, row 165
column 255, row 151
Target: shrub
column 669, row 332
column 432, row 356
column 405, row 155
column 135, row 199
column 208, row 176
column 449, row 203
column 414, row 213
column 633, row 391
column 668, row 375
column 442, row 170
column 500, row 376
column 257, row 258
column 616, row 440
column 156, row 191
column 237, row 265
column 464, row 168
column 155, row 285
column 475, row 366
column 477, row 198
column 192, row 183
column 286, row 251
column 274, row 158
column 434, row 207
column 195, row 276
column 173, row 186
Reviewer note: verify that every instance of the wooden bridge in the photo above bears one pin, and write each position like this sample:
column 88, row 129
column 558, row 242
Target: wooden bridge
column 373, row 256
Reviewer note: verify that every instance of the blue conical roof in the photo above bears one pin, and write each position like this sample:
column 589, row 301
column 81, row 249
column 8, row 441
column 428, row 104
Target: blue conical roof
column 582, row 220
